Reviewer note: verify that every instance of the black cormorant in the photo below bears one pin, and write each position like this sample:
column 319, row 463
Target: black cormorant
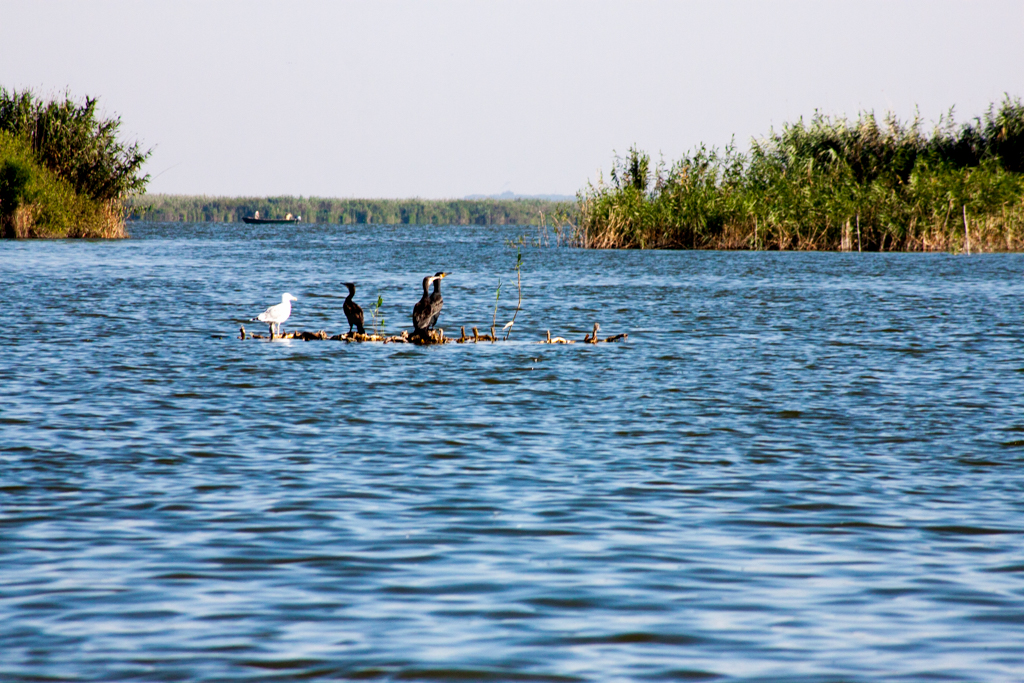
column 436, row 301
column 353, row 313
column 422, row 312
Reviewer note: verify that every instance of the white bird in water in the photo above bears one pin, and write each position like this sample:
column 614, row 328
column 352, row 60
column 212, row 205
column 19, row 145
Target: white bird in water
column 278, row 313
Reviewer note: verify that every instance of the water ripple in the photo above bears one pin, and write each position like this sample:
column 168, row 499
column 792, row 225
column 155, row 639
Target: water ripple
column 799, row 467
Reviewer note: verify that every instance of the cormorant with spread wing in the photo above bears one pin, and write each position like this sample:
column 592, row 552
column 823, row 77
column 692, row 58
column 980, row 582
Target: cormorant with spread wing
column 353, row 313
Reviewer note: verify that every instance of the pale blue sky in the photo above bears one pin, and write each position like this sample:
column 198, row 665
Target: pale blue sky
column 445, row 99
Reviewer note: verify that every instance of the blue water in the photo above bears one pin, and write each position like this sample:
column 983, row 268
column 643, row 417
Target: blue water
column 798, row 467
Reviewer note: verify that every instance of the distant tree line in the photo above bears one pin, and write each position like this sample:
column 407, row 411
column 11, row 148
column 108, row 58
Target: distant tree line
column 164, row 207
column 830, row 183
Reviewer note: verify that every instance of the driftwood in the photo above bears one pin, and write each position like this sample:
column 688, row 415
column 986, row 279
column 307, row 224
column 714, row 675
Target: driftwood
column 382, row 338
column 423, row 338
column 429, row 338
column 476, row 338
column 587, row 339
column 304, row 336
column 556, row 340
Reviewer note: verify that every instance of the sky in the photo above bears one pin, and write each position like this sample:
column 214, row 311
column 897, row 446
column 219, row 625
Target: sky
column 445, row 99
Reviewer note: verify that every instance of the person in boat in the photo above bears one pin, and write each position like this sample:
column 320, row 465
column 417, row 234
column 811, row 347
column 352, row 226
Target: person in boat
column 353, row 312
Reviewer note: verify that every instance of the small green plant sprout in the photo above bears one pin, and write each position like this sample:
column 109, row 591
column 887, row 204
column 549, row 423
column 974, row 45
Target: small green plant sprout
column 497, row 295
column 377, row 316
column 519, row 286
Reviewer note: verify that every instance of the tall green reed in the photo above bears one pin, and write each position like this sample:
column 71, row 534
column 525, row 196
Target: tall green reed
column 821, row 184
column 73, row 150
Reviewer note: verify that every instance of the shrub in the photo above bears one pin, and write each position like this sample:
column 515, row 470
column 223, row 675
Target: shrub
column 66, row 172
column 35, row 202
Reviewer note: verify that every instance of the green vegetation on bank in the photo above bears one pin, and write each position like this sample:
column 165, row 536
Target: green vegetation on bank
column 160, row 207
column 63, row 172
column 831, row 184
column 35, row 202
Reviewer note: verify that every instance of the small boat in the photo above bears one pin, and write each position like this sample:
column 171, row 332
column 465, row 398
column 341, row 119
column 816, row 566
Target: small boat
column 270, row 221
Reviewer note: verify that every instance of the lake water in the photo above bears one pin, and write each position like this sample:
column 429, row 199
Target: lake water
column 799, row 467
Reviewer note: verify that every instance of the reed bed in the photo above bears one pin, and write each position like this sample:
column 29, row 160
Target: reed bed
column 829, row 184
column 63, row 170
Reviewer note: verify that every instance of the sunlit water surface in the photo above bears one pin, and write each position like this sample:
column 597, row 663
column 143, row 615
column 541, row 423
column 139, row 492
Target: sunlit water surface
column 799, row 467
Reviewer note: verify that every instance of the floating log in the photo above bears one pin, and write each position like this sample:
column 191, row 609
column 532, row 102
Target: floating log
column 592, row 339
column 555, row 340
column 423, row 338
column 382, row 338
column 304, row 336
column 476, row 338
column 429, row 337
column 587, row 339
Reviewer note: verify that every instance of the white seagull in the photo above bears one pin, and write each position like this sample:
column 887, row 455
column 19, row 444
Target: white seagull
column 278, row 313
